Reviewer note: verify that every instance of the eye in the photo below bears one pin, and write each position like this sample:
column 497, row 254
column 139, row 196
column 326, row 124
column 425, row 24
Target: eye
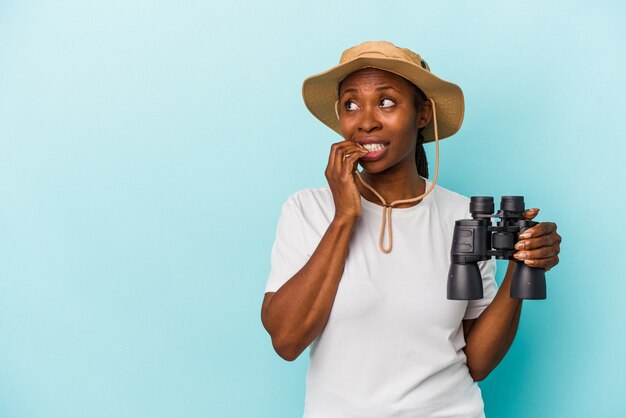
column 387, row 103
column 350, row 105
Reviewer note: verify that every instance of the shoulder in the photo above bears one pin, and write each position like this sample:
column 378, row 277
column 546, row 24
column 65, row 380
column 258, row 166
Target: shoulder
column 306, row 198
column 450, row 202
column 311, row 203
column 308, row 210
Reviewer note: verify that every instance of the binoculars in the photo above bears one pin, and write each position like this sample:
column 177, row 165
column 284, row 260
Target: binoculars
column 477, row 240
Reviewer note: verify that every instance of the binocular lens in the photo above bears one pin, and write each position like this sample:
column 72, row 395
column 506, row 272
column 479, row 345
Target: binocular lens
column 482, row 205
column 512, row 203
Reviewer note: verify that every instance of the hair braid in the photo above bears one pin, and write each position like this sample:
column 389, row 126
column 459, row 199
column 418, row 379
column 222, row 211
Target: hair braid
column 420, row 156
column 420, row 153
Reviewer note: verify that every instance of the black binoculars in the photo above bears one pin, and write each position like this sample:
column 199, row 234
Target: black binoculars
column 477, row 240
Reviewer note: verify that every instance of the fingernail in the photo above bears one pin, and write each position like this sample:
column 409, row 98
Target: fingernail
column 530, row 262
column 519, row 246
column 520, row 255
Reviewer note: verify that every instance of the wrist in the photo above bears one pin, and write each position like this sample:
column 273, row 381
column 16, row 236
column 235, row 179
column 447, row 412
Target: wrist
column 345, row 220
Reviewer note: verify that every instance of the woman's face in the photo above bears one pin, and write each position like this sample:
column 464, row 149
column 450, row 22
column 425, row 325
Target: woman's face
column 377, row 109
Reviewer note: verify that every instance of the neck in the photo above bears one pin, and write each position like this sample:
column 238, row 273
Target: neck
column 398, row 183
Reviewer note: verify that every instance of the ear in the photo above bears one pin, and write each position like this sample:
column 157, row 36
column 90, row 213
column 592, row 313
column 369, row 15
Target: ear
column 425, row 115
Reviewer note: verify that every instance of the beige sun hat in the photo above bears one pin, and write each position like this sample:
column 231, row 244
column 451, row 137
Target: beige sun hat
column 321, row 91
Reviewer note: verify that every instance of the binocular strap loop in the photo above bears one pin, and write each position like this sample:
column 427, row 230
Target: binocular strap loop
column 387, row 208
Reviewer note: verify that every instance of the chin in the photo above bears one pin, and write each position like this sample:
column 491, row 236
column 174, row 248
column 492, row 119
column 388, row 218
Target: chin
column 373, row 167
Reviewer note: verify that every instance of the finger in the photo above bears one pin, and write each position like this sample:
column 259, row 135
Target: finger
column 334, row 162
column 331, row 159
column 538, row 230
column 542, row 241
column 344, row 150
column 543, row 252
column 344, row 147
column 350, row 161
column 531, row 213
column 544, row 263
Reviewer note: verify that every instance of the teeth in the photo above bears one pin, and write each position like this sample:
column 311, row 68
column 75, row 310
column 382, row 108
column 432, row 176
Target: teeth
column 373, row 147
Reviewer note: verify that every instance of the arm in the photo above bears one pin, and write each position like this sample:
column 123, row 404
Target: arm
column 489, row 337
column 296, row 314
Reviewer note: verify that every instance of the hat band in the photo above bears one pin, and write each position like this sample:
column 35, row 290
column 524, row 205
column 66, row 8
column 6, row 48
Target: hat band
column 375, row 54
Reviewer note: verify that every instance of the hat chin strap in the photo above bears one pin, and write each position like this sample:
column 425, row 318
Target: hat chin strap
column 387, row 207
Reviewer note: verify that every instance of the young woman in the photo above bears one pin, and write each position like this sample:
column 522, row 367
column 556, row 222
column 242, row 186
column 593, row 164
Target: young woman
column 359, row 269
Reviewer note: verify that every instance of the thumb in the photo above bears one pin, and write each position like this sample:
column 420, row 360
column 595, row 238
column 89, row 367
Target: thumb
column 531, row 213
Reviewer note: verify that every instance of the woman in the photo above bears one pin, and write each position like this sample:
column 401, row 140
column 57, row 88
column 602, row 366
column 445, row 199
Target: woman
column 370, row 298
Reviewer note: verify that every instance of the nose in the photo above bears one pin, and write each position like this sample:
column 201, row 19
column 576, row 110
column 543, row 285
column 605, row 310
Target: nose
column 369, row 121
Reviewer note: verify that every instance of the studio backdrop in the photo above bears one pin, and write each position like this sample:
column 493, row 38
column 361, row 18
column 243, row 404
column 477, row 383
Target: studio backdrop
column 146, row 148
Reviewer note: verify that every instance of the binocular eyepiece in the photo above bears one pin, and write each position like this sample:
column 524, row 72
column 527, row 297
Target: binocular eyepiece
column 477, row 240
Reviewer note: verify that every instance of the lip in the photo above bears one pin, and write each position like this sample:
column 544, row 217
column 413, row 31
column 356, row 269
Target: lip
column 371, row 140
column 373, row 155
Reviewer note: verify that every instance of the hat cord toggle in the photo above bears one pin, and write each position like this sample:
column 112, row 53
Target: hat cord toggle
column 387, row 207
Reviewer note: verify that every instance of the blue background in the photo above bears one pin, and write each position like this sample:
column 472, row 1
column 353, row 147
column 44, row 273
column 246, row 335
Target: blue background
column 146, row 148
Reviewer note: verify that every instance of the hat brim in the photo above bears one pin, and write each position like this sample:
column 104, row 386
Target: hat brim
column 320, row 92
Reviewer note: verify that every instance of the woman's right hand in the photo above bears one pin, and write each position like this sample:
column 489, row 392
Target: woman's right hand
column 342, row 163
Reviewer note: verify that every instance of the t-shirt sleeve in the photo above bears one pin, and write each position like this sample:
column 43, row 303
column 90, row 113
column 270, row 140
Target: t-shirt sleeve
column 289, row 253
column 488, row 273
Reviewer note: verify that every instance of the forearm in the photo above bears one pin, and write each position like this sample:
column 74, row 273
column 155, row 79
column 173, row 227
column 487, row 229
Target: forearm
column 493, row 332
column 299, row 310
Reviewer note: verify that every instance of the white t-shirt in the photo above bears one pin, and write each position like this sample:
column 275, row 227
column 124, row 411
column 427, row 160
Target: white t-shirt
column 393, row 344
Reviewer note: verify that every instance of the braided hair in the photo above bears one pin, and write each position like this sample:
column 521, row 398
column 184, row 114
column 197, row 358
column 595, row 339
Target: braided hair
column 420, row 153
column 420, row 157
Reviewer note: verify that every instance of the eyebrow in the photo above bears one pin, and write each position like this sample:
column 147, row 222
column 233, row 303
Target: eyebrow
column 381, row 88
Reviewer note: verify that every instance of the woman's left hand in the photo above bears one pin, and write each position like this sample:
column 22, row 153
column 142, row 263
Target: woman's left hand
column 540, row 245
